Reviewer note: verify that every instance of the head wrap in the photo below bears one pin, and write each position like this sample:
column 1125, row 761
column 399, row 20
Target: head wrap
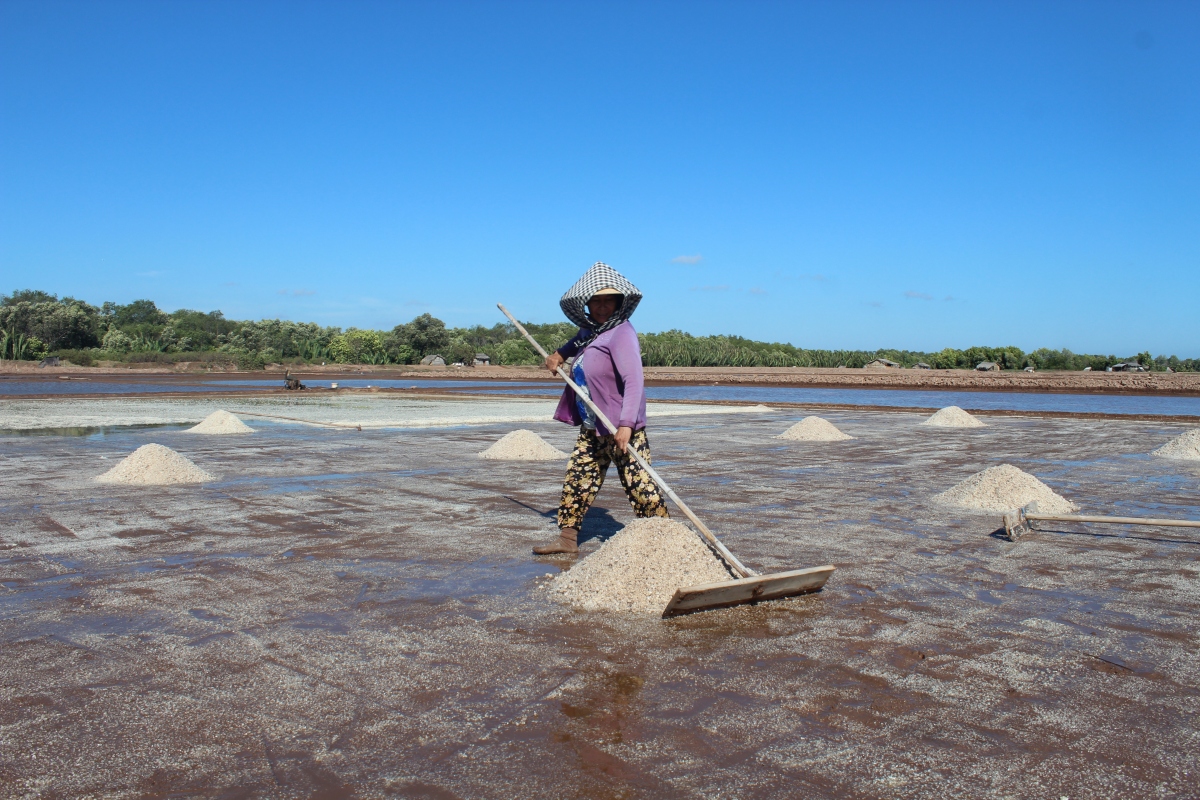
column 599, row 276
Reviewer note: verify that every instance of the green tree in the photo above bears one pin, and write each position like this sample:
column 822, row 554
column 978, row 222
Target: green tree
column 459, row 351
column 516, row 351
column 19, row 347
column 356, row 347
column 68, row 323
column 403, row 354
column 35, row 349
column 137, row 313
column 27, row 296
column 117, row 341
column 202, row 331
column 425, row 334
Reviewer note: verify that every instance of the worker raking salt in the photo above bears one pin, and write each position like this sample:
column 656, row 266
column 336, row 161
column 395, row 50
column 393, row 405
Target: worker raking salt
column 608, row 366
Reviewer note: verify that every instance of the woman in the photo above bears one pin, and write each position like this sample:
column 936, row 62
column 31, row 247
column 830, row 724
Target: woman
column 608, row 365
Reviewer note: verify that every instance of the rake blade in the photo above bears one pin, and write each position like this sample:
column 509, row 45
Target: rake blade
column 1015, row 524
column 747, row 590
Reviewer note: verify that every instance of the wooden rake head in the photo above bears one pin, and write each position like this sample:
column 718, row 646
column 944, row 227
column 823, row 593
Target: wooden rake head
column 1017, row 523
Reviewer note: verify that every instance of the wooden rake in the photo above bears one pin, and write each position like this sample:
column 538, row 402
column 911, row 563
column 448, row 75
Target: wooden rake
column 1020, row 522
column 749, row 586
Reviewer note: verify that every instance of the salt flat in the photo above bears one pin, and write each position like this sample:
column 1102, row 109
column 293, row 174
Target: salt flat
column 356, row 614
column 351, row 409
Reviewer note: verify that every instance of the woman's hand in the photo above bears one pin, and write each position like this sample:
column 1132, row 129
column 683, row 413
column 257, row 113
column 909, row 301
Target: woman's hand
column 622, row 437
column 554, row 361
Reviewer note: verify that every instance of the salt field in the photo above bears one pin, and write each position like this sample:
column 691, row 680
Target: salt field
column 347, row 612
column 346, row 410
column 1065, row 402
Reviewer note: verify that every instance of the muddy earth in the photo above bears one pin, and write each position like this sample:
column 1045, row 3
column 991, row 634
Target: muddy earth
column 356, row 614
column 1149, row 383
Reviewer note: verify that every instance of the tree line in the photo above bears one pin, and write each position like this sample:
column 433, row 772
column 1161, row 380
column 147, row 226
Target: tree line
column 36, row 324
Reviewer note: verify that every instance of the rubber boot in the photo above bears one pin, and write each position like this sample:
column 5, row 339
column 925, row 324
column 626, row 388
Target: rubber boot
column 565, row 542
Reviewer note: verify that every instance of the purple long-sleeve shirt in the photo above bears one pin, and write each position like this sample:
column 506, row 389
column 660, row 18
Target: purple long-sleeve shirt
column 614, row 376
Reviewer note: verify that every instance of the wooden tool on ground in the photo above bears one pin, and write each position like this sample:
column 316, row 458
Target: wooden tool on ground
column 1020, row 522
column 749, row 587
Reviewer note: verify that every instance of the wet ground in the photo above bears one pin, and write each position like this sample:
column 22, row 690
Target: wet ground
column 355, row 614
column 1089, row 401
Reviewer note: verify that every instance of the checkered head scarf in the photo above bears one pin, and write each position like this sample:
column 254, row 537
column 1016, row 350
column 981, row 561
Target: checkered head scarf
column 599, row 276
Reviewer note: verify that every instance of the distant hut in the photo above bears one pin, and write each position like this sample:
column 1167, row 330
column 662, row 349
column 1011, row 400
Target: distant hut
column 1127, row 366
column 1031, row 368
column 482, row 360
column 987, row 366
column 433, row 360
column 881, row 363
column 921, row 365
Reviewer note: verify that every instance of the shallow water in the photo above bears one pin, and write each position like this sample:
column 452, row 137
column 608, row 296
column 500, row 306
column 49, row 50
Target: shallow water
column 899, row 398
column 906, row 398
column 356, row 614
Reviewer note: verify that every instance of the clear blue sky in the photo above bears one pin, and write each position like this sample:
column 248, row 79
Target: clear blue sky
column 833, row 174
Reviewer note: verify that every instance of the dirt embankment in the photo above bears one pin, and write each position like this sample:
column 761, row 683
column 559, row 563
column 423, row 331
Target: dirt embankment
column 1123, row 382
column 1182, row 383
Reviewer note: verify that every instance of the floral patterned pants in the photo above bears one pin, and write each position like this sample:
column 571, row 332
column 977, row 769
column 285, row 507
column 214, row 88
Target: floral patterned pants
column 587, row 468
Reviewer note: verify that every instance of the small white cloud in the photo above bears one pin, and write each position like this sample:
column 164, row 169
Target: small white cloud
column 230, row 283
column 696, row 259
column 875, row 304
column 948, row 298
column 296, row 292
column 419, row 303
column 724, row 287
column 918, row 295
column 757, row 290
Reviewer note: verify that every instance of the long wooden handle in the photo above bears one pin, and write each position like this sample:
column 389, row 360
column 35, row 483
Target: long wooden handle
column 737, row 566
column 1170, row 523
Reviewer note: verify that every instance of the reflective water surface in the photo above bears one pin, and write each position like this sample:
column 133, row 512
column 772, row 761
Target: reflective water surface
column 901, row 398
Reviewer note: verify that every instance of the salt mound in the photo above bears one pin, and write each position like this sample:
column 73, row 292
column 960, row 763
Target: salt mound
column 639, row 569
column 221, row 422
column 523, row 446
column 814, row 429
column 1185, row 446
column 155, row 465
column 1004, row 488
column 953, row 417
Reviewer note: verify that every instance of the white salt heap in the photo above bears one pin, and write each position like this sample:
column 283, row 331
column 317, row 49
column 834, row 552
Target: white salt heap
column 1184, row 446
column 1004, row 488
column 953, row 417
column 155, row 465
column 814, row 429
column 221, row 422
column 523, row 445
column 639, row 569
